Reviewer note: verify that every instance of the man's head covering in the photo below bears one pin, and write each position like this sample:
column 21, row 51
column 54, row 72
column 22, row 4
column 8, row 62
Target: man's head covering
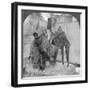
column 35, row 33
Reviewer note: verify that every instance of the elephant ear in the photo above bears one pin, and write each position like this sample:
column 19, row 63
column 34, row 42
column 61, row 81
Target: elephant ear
column 45, row 44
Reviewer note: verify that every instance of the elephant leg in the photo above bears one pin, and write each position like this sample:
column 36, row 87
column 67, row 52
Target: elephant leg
column 40, row 62
column 55, row 56
column 52, row 61
column 67, row 55
column 43, row 63
column 62, row 53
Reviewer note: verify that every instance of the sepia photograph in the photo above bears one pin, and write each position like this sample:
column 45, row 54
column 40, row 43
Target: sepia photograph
column 51, row 44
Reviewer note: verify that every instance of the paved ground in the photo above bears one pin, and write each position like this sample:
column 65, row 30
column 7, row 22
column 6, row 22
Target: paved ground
column 50, row 70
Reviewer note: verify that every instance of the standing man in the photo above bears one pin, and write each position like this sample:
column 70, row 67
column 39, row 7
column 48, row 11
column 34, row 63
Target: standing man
column 43, row 56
